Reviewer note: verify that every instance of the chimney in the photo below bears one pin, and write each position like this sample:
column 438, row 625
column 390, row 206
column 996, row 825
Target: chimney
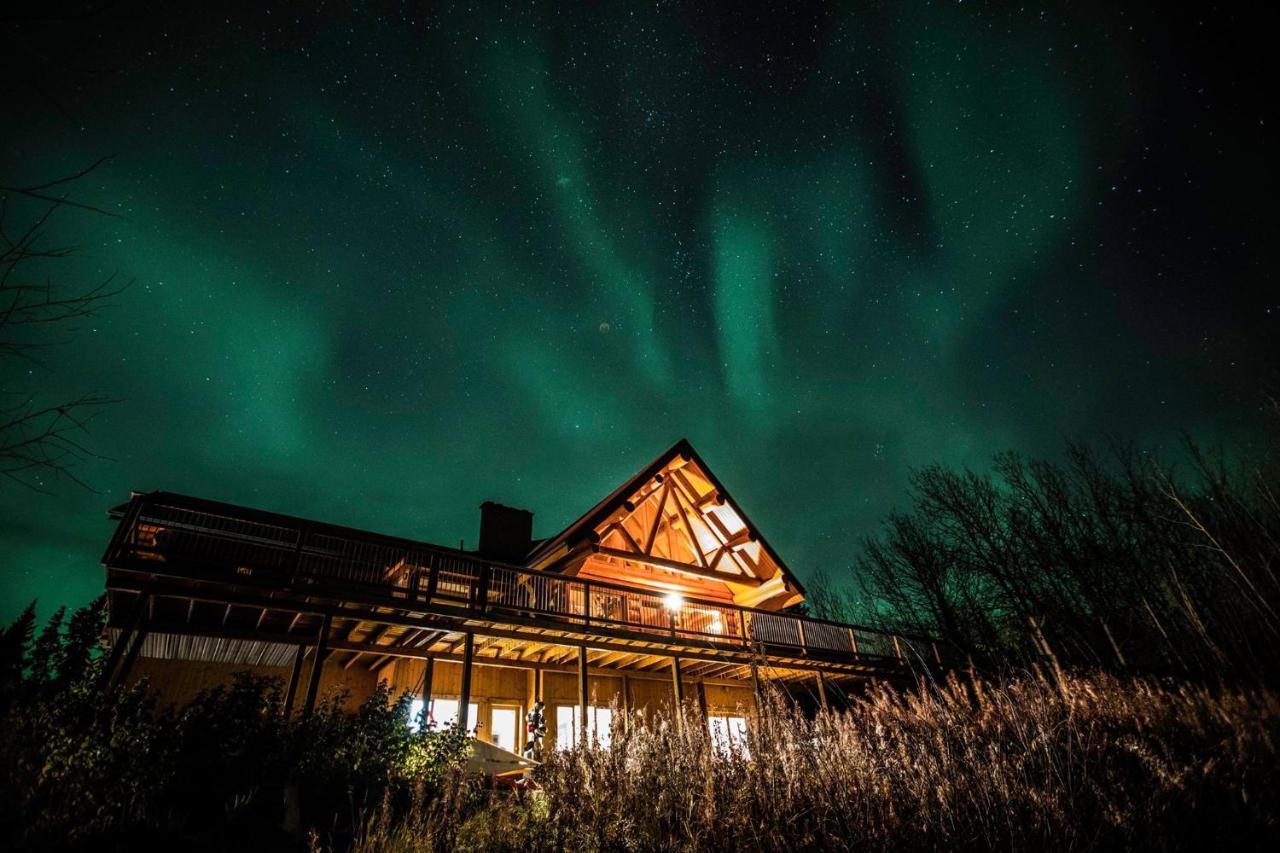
column 506, row 533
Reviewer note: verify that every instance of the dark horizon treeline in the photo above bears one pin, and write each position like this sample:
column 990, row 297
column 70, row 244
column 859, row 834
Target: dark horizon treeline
column 1112, row 558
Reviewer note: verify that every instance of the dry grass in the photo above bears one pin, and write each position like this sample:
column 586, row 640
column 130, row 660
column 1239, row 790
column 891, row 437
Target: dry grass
column 1063, row 763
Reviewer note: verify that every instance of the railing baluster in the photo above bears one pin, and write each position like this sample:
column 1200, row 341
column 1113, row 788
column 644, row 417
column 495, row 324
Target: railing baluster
column 433, row 578
column 482, row 589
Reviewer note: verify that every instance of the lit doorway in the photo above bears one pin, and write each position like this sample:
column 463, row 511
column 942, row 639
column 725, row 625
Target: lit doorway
column 504, row 727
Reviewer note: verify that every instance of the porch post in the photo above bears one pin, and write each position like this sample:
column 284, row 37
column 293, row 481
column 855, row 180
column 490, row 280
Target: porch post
column 317, row 665
column 677, row 687
column 582, row 694
column 428, row 673
column 822, row 692
column 125, row 639
column 291, row 693
column 464, row 699
column 139, row 635
column 755, row 684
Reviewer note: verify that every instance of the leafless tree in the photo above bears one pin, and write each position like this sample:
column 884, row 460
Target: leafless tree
column 42, row 441
column 1115, row 560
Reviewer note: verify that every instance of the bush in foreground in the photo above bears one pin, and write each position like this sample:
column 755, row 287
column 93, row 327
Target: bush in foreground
column 82, row 767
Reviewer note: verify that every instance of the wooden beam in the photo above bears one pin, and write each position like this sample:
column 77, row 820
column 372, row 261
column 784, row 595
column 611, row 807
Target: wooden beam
column 687, row 568
column 626, row 534
column 657, row 521
column 521, row 629
column 688, row 532
column 712, row 496
column 336, row 645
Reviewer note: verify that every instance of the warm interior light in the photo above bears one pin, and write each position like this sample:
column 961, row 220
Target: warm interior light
column 673, row 600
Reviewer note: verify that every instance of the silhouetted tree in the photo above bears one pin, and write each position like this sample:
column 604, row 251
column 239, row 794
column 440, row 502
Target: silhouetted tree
column 1113, row 559
column 42, row 440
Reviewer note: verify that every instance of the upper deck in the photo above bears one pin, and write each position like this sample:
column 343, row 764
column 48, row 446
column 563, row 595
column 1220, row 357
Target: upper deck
column 281, row 575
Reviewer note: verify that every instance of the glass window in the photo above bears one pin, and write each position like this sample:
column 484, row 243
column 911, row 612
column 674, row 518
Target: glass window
column 443, row 712
column 599, row 725
column 729, row 733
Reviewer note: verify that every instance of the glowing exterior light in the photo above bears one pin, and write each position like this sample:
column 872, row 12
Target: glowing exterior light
column 673, row 600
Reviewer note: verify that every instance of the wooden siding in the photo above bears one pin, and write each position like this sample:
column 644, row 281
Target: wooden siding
column 178, row 681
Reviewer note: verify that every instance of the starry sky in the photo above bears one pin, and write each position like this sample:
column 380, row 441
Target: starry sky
column 389, row 263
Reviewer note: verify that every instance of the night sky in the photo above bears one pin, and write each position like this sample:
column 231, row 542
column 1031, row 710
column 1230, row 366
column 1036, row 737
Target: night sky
column 390, row 264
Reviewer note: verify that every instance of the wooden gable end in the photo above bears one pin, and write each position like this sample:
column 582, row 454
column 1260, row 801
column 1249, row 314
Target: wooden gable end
column 673, row 528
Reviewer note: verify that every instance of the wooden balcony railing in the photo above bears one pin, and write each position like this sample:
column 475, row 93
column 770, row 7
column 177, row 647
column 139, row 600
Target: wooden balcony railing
column 191, row 537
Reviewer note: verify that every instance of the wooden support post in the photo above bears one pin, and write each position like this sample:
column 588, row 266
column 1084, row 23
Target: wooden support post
column 897, row 648
column 677, row 686
column 800, row 629
column 428, row 674
column 317, row 666
column 822, row 692
column 464, row 699
column 134, row 648
column 626, row 700
column 853, row 641
column 291, row 693
column 582, row 694
column 124, row 640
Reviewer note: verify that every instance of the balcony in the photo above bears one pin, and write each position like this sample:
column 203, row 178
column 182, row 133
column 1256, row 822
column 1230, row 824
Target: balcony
column 191, row 539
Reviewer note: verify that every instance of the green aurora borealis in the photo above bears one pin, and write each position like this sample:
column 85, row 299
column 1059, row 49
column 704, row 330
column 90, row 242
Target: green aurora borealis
column 389, row 266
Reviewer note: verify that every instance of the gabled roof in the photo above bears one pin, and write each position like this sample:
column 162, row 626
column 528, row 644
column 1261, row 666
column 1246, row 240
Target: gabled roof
column 718, row 540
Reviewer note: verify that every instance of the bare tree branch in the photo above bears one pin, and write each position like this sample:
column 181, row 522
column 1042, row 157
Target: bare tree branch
column 43, row 443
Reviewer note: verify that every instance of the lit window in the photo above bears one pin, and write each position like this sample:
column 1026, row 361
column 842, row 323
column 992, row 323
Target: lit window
column 443, row 712
column 729, row 734
column 599, row 725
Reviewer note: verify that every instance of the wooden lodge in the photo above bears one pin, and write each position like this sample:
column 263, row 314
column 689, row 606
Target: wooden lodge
column 662, row 592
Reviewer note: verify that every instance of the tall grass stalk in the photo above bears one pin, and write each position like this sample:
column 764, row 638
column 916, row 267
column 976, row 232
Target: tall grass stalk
column 1040, row 762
